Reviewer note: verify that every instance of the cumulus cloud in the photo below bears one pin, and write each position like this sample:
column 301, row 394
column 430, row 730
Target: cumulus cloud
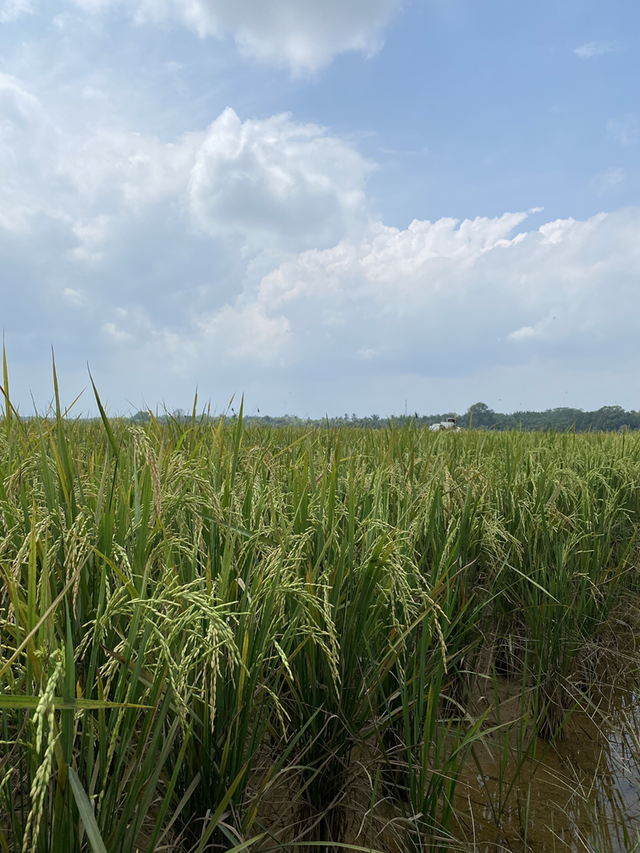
column 131, row 245
column 389, row 272
column 476, row 303
column 245, row 256
column 302, row 36
column 276, row 178
column 448, row 295
column 271, row 182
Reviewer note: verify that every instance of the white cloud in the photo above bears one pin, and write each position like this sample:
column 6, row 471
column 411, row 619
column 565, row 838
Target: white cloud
column 413, row 292
column 172, row 232
column 595, row 48
column 303, row 36
column 447, row 305
column 243, row 256
column 267, row 183
column 28, row 142
column 525, row 333
column 276, row 178
column 443, row 298
column 244, row 333
column 11, row 10
column 387, row 273
column 555, row 232
column 561, row 323
column 115, row 334
column 74, row 297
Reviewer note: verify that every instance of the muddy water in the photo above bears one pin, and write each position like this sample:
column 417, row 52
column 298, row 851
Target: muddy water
column 579, row 794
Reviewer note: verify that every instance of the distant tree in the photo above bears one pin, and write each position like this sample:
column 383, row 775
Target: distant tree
column 480, row 416
column 609, row 418
column 179, row 415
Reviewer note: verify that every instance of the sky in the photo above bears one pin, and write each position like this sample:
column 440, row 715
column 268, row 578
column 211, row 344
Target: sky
column 329, row 206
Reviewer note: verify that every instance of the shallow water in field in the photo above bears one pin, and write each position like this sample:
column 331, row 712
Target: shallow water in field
column 579, row 794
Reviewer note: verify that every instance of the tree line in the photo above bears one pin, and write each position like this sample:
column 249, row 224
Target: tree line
column 477, row 416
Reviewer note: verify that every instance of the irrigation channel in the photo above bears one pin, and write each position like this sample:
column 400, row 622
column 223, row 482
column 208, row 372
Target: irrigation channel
column 216, row 636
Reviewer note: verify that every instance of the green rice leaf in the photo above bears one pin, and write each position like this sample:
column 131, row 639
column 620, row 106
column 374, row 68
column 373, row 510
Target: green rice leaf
column 86, row 813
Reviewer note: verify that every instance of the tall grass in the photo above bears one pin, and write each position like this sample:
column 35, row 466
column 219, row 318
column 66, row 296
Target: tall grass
column 204, row 625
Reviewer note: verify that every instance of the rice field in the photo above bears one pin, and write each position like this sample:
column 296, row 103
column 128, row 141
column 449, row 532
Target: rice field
column 223, row 637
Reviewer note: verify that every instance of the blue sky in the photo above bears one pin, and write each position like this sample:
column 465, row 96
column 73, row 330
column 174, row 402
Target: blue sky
column 332, row 206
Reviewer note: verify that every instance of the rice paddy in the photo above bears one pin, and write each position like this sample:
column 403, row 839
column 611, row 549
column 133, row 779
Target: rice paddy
column 223, row 637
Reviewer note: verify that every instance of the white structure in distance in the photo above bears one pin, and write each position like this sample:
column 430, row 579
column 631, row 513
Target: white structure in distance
column 450, row 423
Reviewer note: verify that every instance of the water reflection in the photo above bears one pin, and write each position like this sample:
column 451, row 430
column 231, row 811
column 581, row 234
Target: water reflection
column 579, row 794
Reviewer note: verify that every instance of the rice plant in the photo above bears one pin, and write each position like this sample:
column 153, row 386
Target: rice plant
column 219, row 636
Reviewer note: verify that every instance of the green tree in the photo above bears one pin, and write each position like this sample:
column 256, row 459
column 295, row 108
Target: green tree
column 480, row 416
